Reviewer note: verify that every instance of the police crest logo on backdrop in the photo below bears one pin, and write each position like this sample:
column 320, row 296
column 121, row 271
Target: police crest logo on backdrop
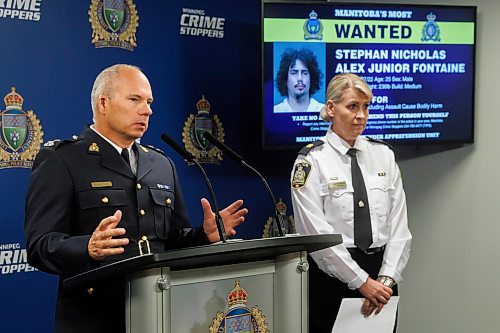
column 271, row 228
column 114, row 23
column 192, row 134
column 21, row 133
column 239, row 318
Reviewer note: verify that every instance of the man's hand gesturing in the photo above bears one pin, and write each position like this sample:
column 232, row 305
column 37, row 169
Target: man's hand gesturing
column 102, row 244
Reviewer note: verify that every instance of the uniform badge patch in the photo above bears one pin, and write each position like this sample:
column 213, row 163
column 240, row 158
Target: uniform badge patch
column 94, row 148
column 239, row 318
column 21, row 133
column 300, row 174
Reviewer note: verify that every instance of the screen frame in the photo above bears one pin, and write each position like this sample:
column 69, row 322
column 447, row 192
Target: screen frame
column 403, row 143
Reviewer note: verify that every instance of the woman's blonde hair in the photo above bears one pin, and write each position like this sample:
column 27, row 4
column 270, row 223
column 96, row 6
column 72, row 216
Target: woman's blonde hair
column 338, row 85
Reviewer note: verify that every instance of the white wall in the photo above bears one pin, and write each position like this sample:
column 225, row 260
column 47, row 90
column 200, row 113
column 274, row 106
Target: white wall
column 450, row 282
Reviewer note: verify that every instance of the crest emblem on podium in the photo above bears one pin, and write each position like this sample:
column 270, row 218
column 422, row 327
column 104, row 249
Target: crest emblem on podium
column 114, row 23
column 239, row 318
column 192, row 134
column 21, row 133
column 271, row 228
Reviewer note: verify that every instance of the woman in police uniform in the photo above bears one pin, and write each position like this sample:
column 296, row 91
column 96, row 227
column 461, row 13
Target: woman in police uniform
column 324, row 201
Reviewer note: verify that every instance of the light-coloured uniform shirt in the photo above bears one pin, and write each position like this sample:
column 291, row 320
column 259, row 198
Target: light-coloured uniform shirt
column 314, row 106
column 323, row 204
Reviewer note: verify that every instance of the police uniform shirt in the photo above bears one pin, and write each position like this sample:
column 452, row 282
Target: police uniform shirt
column 132, row 156
column 323, row 203
column 77, row 183
column 74, row 185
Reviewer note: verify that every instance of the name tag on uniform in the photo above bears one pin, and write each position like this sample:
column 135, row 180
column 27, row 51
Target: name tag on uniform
column 101, row 184
column 337, row 185
column 162, row 186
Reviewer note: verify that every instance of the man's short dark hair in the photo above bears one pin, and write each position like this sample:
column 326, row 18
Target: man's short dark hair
column 308, row 58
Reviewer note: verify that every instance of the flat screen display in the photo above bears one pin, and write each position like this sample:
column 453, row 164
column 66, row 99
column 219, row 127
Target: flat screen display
column 417, row 59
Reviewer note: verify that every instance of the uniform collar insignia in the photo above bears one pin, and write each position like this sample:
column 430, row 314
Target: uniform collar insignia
column 94, row 148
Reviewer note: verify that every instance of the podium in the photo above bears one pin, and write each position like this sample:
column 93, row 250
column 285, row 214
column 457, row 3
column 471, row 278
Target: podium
column 255, row 285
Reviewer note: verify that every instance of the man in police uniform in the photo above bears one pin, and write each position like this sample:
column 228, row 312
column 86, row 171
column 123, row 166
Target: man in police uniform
column 87, row 206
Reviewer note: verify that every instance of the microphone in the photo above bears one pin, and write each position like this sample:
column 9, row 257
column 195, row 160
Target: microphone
column 190, row 158
column 181, row 151
column 229, row 152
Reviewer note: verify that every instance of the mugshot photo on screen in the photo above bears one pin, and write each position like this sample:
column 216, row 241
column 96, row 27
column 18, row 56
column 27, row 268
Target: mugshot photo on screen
column 299, row 77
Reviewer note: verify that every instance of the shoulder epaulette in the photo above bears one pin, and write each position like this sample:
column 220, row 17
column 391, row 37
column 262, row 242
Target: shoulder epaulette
column 306, row 149
column 381, row 142
column 54, row 144
column 146, row 147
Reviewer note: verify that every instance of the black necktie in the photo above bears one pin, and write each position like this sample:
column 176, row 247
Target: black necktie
column 126, row 156
column 362, row 224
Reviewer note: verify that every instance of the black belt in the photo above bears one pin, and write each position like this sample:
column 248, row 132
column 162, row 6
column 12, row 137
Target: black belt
column 371, row 250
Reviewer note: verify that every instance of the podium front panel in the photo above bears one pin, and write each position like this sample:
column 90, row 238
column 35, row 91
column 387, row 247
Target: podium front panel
column 144, row 310
column 261, row 296
column 210, row 296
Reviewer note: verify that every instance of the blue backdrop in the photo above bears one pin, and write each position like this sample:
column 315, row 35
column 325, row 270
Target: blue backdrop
column 49, row 57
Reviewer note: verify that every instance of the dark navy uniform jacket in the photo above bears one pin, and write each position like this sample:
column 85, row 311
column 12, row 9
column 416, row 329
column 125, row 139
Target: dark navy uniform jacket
column 73, row 186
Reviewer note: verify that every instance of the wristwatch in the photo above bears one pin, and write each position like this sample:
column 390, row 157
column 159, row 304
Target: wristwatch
column 386, row 281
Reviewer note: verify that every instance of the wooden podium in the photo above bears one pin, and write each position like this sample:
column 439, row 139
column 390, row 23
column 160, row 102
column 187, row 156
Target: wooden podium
column 255, row 285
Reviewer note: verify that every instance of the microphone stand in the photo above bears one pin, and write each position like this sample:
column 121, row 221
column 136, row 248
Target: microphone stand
column 277, row 214
column 190, row 158
column 225, row 149
column 218, row 219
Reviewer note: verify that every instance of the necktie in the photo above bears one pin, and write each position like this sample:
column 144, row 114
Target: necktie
column 362, row 224
column 126, row 156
